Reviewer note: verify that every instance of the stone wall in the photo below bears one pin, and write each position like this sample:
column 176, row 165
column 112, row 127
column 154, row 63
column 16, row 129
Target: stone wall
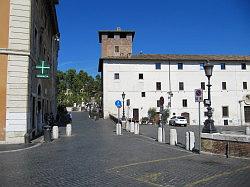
column 228, row 146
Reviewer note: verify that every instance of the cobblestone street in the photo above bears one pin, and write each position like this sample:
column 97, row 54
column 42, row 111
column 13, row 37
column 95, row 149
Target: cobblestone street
column 95, row 156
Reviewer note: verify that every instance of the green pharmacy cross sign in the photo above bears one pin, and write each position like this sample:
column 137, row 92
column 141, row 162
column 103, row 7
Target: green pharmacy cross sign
column 42, row 67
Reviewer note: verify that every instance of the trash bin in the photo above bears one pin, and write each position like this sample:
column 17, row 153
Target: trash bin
column 47, row 133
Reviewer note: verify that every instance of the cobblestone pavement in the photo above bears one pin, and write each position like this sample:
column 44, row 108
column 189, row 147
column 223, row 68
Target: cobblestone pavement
column 95, row 156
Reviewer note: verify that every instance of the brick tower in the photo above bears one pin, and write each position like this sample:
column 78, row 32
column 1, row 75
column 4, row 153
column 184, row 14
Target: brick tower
column 116, row 43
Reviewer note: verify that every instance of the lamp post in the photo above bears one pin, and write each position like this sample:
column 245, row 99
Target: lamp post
column 123, row 111
column 209, row 123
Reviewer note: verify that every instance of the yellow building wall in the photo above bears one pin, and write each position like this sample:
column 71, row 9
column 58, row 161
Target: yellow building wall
column 4, row 38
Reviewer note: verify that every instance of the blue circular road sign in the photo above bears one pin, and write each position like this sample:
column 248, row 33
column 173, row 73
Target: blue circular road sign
column 118, row 103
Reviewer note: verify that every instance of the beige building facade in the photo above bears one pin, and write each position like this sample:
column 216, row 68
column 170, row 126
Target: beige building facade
column 30, row 36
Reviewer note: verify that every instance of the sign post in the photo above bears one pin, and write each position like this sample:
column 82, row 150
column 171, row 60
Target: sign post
column 199, row 99
column 118, row 104
column 161, row 123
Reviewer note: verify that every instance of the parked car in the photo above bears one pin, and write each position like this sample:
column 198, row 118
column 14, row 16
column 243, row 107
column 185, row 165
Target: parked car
column 178, row 120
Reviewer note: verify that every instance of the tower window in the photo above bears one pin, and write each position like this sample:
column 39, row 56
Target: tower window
column 158, row 85
column 116, row 76
column 116, row 49
column 244, row 85
column 143, row 94
column 157, row 65
column 180, row 65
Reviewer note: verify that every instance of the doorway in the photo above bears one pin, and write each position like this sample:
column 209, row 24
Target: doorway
column 247, row 114
column 136, row 114
column 186, row 115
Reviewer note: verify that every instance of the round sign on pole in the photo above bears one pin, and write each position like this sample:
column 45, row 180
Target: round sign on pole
column 118, row 103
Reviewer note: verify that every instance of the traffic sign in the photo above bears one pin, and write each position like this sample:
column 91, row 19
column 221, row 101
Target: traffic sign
column 198, row 95
column 118, row 103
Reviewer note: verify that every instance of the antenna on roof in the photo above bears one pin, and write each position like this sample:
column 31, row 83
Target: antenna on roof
column 118, row 29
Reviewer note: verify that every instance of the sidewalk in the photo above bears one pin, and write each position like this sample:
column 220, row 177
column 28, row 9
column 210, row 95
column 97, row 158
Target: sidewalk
column 18, row 147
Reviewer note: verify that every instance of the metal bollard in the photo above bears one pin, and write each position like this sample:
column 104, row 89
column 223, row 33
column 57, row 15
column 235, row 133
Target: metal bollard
column 68, row 130
column 55, row 132
column 173, row 137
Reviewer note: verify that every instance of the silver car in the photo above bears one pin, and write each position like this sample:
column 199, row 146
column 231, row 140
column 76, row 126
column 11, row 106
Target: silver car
column 178, row 120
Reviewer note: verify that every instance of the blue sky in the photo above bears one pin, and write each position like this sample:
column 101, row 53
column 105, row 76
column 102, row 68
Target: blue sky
column 161, row 26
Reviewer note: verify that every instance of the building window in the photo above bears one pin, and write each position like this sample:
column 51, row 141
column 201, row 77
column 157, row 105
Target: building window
column 201, row 66
column 140, row 76
column 35, row 41
column 226, row 122
column 225, row 112
column 184, row 102
column 158, row 103
column 181, row 86
column 180, row 65
column 244, row 85
column 203, row 86
column 158, row 85
column 157, row 65
column 143, row 94
column 243, row 66
column 222, row 66
column 117, row 49
column 116, row 76
column 224, row 85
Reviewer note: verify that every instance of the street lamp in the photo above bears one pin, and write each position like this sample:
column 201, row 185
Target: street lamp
column 209, row 123
column 123, row 111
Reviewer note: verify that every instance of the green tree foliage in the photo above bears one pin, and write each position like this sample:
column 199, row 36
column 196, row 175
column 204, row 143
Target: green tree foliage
column 152, row 113
column 165, row 115
column 77, row 87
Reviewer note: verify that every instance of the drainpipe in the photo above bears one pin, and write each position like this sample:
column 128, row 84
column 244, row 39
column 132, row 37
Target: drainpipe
column 241, row 123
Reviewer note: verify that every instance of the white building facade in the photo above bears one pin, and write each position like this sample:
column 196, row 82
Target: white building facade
column 146, row 78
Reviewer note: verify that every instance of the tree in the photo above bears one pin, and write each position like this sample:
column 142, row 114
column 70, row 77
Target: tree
column 81, row 86
column 165, row 115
